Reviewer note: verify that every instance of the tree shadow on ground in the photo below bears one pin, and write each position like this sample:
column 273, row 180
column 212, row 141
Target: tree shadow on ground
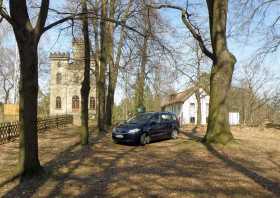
column 74, row 153
column 163, row 169
column 272, row 186
column 266, row 183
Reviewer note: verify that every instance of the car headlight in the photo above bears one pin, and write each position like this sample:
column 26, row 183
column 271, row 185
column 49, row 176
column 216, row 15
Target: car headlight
column 114, row 130
column 134, row 130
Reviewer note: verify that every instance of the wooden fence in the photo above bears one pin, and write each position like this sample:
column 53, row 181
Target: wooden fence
column 10, row 130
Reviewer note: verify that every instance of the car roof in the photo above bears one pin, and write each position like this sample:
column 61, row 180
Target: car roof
column 161, row 112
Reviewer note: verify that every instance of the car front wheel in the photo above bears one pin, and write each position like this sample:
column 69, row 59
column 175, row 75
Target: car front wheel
column 174, row 134
column 144, row 139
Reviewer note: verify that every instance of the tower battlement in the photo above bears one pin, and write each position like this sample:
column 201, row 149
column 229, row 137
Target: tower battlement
column 59, row 55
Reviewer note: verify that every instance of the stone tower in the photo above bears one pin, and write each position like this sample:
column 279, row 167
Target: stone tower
column 65, row 84
column 78, row 49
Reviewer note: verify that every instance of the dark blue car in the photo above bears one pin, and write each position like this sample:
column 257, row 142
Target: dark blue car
column 146, row 127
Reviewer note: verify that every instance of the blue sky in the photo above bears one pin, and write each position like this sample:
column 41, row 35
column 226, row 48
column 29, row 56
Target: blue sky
column 243, row 51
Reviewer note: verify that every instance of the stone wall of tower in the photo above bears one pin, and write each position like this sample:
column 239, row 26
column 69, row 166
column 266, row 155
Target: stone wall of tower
column 69, row 86
column 78, row 50
column 59, row 64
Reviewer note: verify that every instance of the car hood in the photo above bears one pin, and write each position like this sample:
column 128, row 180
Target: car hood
column 127, row 126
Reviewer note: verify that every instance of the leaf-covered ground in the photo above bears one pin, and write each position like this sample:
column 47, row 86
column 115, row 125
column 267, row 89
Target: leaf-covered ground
column 248, row 167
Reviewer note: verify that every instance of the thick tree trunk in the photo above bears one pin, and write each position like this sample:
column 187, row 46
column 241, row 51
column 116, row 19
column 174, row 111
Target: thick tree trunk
column 86, row 82
column 96, row 58
column 102, row 68
column 218, row 129
column 29, row 164
column 112, row 67
column 140, row 85
column 198, row 114
column 113, row 75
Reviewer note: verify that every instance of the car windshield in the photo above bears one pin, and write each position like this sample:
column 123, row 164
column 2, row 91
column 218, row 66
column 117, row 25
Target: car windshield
column 141, row 117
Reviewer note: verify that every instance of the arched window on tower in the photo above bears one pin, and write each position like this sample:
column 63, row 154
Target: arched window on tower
column 58, row 78
column 58, row 102
column 92, row 103
column 75, row 102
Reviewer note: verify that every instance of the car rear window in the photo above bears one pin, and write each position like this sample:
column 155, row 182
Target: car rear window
column 166, row 117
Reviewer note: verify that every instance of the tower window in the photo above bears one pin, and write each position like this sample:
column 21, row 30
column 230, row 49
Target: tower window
column 92, row 103
column 192, row 120
column 58, row 102
column 75, row 102
column 58, row 78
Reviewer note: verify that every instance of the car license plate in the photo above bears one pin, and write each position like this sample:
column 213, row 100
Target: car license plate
column 119, row 136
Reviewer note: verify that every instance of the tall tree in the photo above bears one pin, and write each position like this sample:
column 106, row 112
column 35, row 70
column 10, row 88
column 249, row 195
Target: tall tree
column 95, row 24
column 218, row 129
column 86, row 81
column 27, row 38
column 112, row 66
column 141, row 74
column 102, row 67
column 115, row 64
column 6, row 83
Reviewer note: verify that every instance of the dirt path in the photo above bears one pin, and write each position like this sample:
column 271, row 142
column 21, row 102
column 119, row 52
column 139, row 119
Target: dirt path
column 249, row 167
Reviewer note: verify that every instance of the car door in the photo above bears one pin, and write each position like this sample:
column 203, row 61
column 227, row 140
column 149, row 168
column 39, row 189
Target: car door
column 156, row 128
column 166, row 124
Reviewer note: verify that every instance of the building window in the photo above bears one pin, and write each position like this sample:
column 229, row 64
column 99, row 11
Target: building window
column 75, row 102
column 59, row 64
column 76, row 78
column 92, row 103
column 192, row 120
column 58, row 78
column 58, row 102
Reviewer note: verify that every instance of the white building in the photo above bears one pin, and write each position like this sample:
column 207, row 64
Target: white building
column 184, row 105
column 65, row 82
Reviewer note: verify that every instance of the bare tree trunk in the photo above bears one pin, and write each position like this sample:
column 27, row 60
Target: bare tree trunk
column 102, row 68
column 112, row 67
column 218, row 129
column 27, row 39
column 96, row 57
column 86, row 82
column 140, row 85
column 28, row 93
column 7, row 93
column 198, row 114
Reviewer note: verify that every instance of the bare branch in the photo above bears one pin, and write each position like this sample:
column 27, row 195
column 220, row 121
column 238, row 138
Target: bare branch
column 78, row 16
column 42, row 16
column 57, row 23
column 192, row 28
column 4, row 14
